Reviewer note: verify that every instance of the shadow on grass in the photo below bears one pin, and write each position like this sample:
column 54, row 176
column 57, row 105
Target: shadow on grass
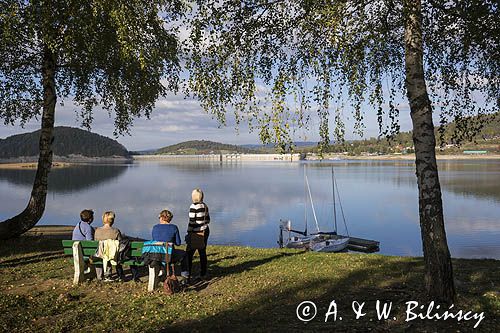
column 221, row 271
column 45, row 256
column 28, row 244
column 274, row 308
column 143, row 272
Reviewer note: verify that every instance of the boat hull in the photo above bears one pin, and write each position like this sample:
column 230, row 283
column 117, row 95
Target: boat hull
column 330, row 245
column 301, row 242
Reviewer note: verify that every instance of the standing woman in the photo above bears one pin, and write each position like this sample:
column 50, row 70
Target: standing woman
column 198, row 231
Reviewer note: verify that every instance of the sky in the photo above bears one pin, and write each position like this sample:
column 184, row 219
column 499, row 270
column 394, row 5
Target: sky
column 176, row 119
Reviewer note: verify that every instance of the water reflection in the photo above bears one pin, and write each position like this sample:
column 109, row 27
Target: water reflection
column 65, row 180
column 477, row 179
column 247, row 200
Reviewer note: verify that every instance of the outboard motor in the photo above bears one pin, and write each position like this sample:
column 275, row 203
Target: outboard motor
column 284, row 225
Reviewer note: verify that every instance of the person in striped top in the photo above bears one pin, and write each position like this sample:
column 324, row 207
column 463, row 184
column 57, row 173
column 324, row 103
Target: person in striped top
column 199, row 219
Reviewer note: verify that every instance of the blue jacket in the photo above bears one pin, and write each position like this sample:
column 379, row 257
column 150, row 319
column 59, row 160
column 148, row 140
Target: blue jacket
column 83, row 231
column 166, row 233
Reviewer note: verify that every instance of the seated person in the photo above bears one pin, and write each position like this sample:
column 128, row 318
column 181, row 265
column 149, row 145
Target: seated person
column 167, row 232
column 83, row 230
column 107, row 231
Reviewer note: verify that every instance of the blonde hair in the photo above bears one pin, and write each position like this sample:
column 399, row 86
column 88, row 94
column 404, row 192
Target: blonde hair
column 166, row 214
column 108, row 218
column 197, row 195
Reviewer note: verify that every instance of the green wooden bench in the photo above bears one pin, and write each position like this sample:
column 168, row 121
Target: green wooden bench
column 83, row 250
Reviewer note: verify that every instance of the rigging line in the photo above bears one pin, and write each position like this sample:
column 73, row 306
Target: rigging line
column 334, row 207
column 312, row 203
column 341, row 209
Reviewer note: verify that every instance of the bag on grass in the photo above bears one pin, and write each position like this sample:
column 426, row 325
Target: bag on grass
column 171, row 285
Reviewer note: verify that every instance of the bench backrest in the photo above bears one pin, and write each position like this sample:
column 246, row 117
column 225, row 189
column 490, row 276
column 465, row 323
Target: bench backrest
column 89, row 248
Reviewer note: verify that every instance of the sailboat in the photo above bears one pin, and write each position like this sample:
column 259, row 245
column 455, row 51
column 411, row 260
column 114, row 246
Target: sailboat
column 319, row 241
column 295, row 242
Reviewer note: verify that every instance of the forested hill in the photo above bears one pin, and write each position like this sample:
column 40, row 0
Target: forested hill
column 203, row 147
column 487, row 139
column 67, row 141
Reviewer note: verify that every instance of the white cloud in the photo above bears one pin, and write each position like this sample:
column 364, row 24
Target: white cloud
column 176, row 119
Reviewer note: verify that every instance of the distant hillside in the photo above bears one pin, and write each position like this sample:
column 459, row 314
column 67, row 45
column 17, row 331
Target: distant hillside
column 195, row 147
column 67, row 141
column 488, row 139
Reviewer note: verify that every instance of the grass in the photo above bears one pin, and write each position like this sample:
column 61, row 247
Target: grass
column 250, row 290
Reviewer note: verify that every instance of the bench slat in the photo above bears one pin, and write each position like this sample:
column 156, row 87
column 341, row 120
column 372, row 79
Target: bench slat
column 136, row 253
column 95, row 244
column 86, row 252
column 89, row 248
column 90, row 251
column 98, row 262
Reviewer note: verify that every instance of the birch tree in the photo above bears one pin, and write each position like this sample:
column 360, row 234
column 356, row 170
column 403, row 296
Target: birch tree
column 108, row 53
column 276, row 63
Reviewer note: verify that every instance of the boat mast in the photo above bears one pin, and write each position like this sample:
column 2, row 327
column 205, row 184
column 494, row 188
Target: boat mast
column 312, row 203
column 341, row 209
column 305, row 200
column 334, row 206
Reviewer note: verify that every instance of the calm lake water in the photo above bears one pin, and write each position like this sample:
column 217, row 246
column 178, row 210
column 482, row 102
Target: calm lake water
column 248, row 199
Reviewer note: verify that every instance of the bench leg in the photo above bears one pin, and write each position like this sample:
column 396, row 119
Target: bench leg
column 78, row 263
column 153, row 278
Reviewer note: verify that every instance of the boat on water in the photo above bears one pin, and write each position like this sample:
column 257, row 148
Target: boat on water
column 318, row 241
column 295, row 242
column 330, row 245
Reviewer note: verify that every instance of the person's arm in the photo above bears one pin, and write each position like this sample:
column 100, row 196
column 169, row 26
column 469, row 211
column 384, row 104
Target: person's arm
column 89, row 233
column 154, row 233
column 192, row 218
column 177, row 236
column 192, row 214
column 207, row 215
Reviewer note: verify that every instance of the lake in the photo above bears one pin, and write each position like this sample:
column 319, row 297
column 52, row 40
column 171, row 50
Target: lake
column 248, row 199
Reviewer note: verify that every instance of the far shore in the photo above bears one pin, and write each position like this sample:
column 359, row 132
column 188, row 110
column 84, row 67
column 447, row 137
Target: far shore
column 412, row 157
column 23, row 164
column 30, row 165
column 31, row 162
column 51, row 231
column 59, row 232
column 295, row 157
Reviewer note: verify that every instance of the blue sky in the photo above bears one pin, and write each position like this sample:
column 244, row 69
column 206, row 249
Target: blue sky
column 176, row 119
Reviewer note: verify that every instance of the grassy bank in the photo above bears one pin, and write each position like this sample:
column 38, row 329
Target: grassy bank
column 249, row 290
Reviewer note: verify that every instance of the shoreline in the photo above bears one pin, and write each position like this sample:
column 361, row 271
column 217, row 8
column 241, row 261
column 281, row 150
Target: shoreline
column 30, row 165
column 50, row 231
column 411, row 157
column 286, row 157
column 61, row 232
column 31, row 162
